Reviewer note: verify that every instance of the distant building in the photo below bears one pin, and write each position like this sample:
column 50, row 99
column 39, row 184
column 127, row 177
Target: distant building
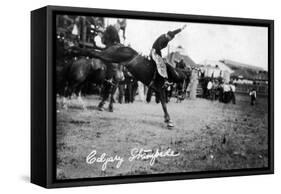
column 247, row 77
column 246, row 72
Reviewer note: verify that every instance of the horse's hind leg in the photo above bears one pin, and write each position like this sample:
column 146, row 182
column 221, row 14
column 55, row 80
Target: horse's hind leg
column 64, row 103
column 81, row 100
column 110, row 106
column 66, row 97
column 105, row 95
column 167, row 118
column 78, row 91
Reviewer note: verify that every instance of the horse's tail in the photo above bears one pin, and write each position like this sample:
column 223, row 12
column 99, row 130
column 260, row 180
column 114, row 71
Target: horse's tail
column 113, row 54
column 172, row 73
column 90, row 53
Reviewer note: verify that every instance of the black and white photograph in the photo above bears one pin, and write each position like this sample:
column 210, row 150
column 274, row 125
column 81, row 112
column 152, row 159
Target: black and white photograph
column 143, row 97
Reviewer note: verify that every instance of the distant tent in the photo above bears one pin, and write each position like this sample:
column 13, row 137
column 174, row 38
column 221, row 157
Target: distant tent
column 216, row 69
column 176, row 56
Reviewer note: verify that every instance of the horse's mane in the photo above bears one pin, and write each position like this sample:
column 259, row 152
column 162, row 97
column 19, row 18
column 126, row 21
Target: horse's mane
column 145, row 57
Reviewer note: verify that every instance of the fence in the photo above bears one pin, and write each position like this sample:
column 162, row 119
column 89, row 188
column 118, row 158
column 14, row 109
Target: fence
column 262, row 90
column 245, row 88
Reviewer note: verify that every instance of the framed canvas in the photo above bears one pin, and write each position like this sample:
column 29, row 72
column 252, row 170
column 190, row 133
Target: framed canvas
column 127, row 96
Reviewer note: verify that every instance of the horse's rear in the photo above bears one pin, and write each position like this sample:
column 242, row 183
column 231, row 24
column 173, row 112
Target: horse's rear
column 177, row 75
column 141, row 68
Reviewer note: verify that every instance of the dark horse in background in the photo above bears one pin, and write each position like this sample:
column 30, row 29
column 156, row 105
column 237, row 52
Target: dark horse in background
column 85, row 70
column 142, row 68
column 76, row 69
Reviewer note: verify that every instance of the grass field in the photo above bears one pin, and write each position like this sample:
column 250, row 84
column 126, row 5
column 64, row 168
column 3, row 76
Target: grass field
column 207, row 136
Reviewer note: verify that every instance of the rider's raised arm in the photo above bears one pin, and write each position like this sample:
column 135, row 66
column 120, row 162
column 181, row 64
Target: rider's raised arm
column 173, row 33
column 176, row 31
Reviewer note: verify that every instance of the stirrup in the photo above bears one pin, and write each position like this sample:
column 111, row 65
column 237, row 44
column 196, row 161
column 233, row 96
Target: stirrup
column 167, row 84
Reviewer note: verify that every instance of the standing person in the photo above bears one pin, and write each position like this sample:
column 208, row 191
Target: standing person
column 180, row 64
column 122, row 26
column 98, row 44
column 220, row 90
column 76, row 30
column 209, row 88
column 253, row 95
column 121, row 90
column 193, row 84
column 226, row 93
column 141, row 91
column 215, row 89
column 160, row 43
column 232, row 90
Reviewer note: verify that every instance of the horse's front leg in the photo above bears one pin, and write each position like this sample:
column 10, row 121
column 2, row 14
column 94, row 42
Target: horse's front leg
column 105, row 95
column 113, row 90
column 167, row 118
column 65, row 98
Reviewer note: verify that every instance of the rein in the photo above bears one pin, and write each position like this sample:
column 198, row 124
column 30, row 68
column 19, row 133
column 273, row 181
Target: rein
column 126, row 63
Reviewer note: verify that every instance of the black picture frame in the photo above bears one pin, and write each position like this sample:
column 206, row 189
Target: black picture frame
column 43, row 112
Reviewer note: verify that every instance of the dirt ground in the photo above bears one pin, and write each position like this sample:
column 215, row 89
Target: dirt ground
column 207, row 136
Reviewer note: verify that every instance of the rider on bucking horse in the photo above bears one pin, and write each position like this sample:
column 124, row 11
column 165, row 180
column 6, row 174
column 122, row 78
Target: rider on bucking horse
column 161, row 43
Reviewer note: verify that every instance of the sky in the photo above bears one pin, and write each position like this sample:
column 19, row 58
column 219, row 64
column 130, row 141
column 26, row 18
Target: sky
column 202, row 41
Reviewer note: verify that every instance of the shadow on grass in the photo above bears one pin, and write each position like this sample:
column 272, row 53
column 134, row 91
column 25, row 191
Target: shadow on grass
column 93, row 107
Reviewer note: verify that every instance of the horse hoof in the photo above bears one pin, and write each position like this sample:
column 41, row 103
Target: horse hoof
column 170, row 125
column 110, row 109
column 100, row 108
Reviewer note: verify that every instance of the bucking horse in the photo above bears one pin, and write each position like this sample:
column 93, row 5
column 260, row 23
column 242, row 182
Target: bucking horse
column 142, row 68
